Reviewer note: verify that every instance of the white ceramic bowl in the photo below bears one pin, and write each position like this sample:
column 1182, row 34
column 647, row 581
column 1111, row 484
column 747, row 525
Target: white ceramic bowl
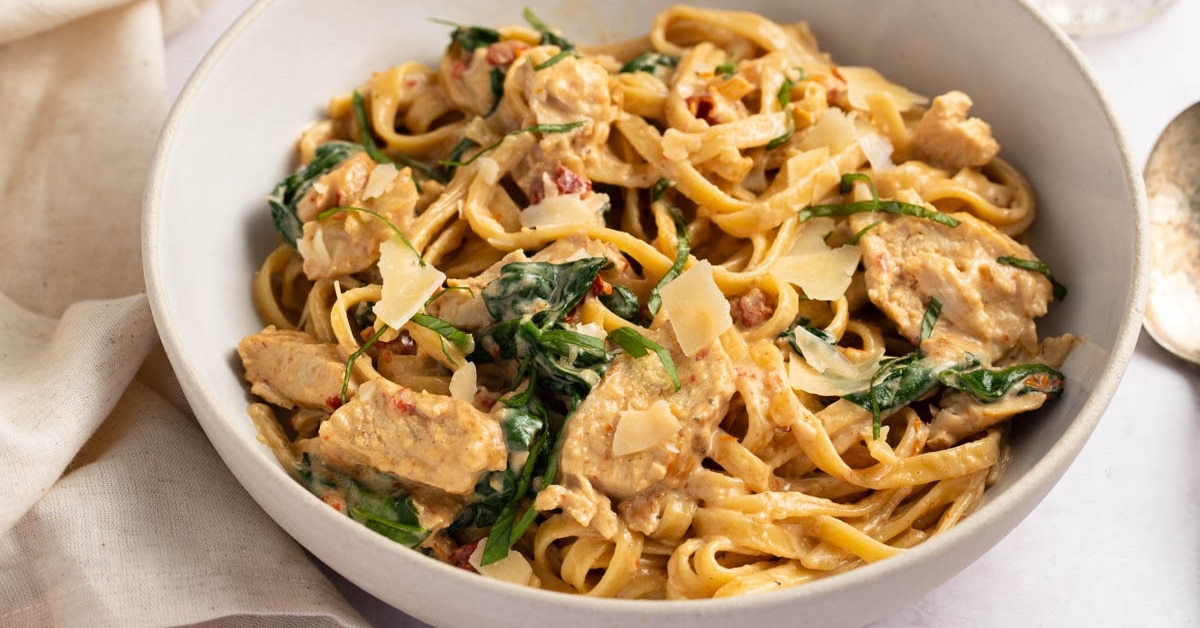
column 230, row 138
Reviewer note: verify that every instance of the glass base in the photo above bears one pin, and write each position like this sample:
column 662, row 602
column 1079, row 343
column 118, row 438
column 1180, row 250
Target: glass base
column 1088, row 17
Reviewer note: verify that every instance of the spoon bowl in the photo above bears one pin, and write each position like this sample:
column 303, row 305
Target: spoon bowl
column 1172, row 177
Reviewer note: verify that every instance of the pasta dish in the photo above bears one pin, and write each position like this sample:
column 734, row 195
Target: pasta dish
column 694, row 315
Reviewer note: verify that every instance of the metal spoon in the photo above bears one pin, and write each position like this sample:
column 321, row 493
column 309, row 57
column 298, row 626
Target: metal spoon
column 1172, row 177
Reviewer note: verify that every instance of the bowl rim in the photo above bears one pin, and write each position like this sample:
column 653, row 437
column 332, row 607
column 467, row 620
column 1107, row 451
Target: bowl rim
column 1031, row 488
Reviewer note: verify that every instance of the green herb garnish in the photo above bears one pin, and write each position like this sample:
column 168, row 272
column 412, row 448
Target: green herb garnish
column 784, row 97
column 650, row 63
column 548, row 37
column 1060, row 291
column 683, row 245
column 470, row 37
column 537, row 128
column 403, row 238
column 639, row 346
column 874, row 205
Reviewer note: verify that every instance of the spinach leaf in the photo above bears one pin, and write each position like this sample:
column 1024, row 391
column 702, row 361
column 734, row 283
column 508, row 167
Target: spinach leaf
column 899, row 382
column 287, row 193
column 496, row 490
column 543, row 291
column 993, row 384
column 624, row 303
column 393, row 517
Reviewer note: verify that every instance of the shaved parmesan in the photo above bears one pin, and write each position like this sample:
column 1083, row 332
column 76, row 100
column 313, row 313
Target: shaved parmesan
column 381, row 178
column 862, row 81
column 512, row 568
column 812, row 237
column 564, row 210
column 834, row 129
column 878, row 150
column 822, row 276
column 489, row 170
column 829, row 360
column 696, row 308
column 639, row 430
column 407, row 285
column 314, row 249
column 805, row 378
column 463, row 384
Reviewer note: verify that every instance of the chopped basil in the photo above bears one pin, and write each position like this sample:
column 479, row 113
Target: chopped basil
column 932, row 311
column 725, row 70
column 1060, row 291
column 562, row 54
column 462, row 340
column 549, row 38
column 470, row 37
column 784, row 96
column 288, row 192
column 874, row 205
column 654, row 63
column 639, row 346
column 496, row 79
column 354, row 357
column 364, row 129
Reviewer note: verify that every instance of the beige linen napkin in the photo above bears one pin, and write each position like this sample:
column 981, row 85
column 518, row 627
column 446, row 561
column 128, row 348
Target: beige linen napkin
column 118, row 512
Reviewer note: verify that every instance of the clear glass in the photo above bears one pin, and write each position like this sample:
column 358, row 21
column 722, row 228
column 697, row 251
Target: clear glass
column 1085, row 17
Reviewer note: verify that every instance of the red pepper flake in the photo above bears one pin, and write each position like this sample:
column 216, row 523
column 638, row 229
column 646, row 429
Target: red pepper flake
column 703, row 107
column 334, row 402
column 403, row 401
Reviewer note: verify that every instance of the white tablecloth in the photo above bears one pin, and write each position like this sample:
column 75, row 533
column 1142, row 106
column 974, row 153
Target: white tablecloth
column 1117, row 542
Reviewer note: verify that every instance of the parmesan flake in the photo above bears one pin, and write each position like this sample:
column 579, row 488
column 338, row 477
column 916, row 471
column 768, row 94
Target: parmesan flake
column 513, row 568
column 639, row 430
column 407, row 285
column 697, row 308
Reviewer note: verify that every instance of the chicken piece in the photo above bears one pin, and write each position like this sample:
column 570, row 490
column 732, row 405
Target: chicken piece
column 591, row 476
column 570, row 90
column 418, row 437
column 988, row 308
column 291, row 368
column 947, row 138
column 465, row 309
column 340, row 187
column 348, row 242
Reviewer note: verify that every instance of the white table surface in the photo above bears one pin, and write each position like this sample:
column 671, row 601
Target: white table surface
column 1117, row 542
